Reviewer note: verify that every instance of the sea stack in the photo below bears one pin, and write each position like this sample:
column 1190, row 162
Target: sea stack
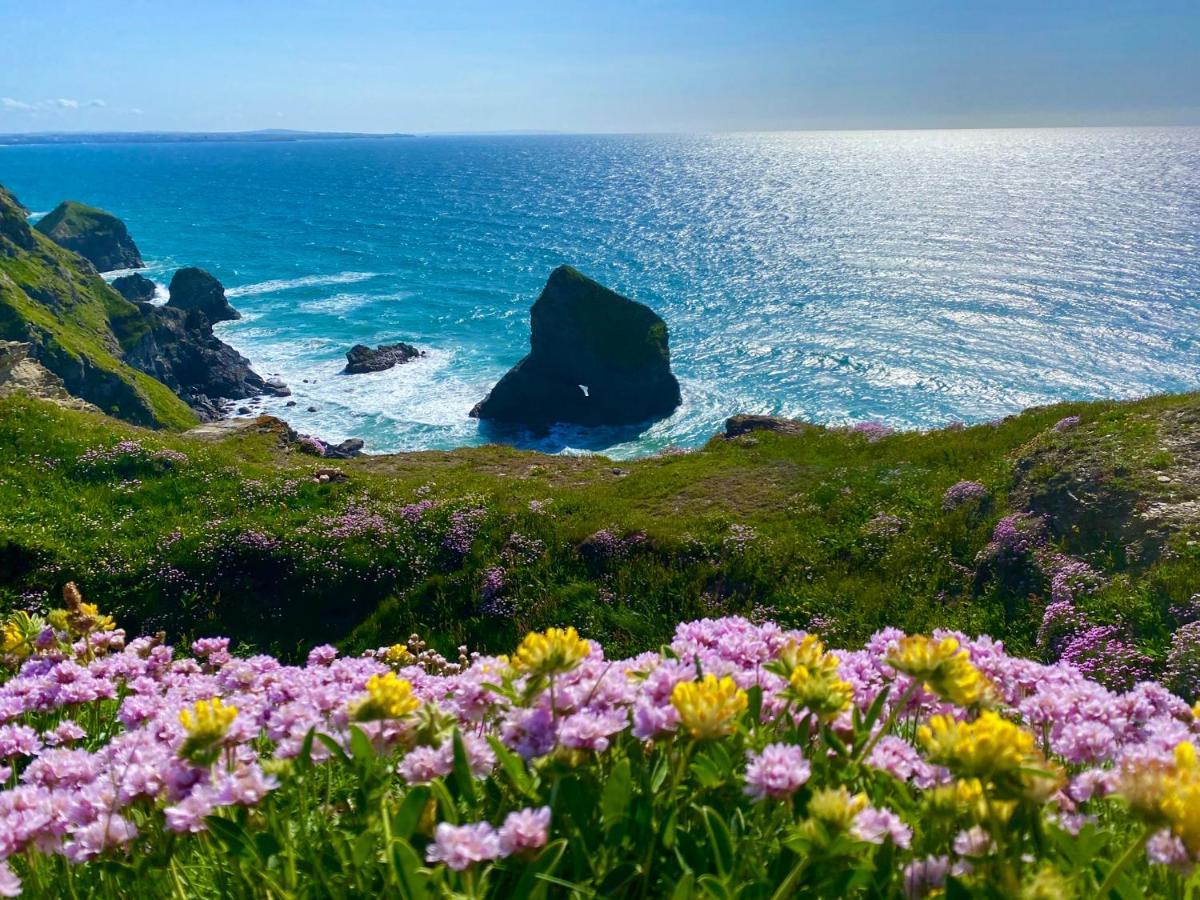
column 194, row 290
column 596, row 358
column 98, row 236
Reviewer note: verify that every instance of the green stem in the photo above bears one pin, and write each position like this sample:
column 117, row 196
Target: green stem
column 890, row 721
column 1126, row 858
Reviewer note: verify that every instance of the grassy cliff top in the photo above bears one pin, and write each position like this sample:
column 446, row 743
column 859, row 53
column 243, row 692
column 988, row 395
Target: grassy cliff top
column 828, row 528
column 72, row 217
column 79, row 325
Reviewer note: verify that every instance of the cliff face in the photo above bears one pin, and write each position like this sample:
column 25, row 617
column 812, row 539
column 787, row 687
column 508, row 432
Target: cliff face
column 76, row 324
column 98, row 236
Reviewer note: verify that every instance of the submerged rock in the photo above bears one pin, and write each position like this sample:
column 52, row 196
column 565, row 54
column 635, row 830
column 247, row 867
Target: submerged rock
column 136, row 288
column 596, row 358
column 98, row 236
column 361, row 358
column 195, row 290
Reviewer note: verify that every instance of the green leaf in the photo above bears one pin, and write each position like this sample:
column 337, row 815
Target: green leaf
column 408, row 816
column 714, row 887
column 614, row 802
column 719, row 840
column 514, row 767
column 414, row 882
column 360, row 745
column 233, row 836
column 464, row 781
column 754, row 697
column 535, row 879
column 333, row 747
column 685, row 887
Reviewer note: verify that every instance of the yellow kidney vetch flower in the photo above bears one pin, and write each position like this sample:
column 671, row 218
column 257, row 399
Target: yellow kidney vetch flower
column 388, row 697
column 943, row 666
column 1168, row 795
column 552, row 652
column 708, row 708
column 18, row 634
column 985, row 748
column 398, row 655
column 813, row 680
column 206, row 723
column 835, row 808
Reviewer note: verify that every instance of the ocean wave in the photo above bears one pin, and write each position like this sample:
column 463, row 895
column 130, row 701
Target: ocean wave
column 287, row 284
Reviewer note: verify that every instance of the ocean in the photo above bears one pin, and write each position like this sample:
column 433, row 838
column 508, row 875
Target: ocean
column 910, row 278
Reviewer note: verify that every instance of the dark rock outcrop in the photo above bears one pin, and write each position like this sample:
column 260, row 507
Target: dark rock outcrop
column 178, row 347
column 98, row 236
column 361, row 358
column 736, row 426
column 194, row 290
column 135, row 288
column 347, row 449
column 596, row 358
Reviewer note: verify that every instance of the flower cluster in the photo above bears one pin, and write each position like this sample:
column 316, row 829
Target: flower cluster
column 740, row 751
column 962, row 494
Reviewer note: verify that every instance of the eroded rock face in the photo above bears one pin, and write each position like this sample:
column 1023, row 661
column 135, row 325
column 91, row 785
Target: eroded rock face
column 20, row 373
column 14, row 225
column 361, row 358
column 194, row 290
column 98, row 236
column 596, row 358
column 178, row 348
column 135, row 288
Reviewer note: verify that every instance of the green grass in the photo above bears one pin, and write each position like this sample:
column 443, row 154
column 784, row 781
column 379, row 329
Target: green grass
column 824, row 527
column 82, row 326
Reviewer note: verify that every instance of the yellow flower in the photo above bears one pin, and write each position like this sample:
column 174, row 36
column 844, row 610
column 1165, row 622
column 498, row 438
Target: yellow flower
column 206, row 723
column 942, row 666
column 388, row 697
column 813, row 677
column 1048, row 884
column 1196, row 710
column 985, row 748
column 18, row 634
column 398, row 655
column 551, row 652
column 708, row 709
column 836, row 807
column 1168, row 794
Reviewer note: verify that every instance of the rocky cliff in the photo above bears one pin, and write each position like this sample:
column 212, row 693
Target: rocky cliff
column 77, row 325
column 596, row 358
column 98, row 236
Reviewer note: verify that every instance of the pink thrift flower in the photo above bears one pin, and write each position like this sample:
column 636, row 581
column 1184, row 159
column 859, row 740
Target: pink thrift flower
column 875, row 826
column 459, row 846
column 10, row 884
column 527, row 829
column 777, row 772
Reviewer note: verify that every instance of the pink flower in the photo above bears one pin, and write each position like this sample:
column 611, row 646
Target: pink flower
column 875, row 826
column 459, row 846
column 10, row 884
column 777, row 772
column 527, row 829
column 423, row 764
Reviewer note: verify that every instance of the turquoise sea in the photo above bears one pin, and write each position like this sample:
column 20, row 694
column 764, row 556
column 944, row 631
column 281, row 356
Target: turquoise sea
column 910, row 278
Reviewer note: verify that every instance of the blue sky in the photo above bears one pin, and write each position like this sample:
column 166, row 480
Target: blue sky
column 604, row 65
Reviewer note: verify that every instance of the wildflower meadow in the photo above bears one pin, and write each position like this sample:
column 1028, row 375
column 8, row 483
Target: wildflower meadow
column 739, row 760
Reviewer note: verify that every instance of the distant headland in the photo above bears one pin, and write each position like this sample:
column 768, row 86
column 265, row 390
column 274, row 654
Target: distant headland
column 265, row 136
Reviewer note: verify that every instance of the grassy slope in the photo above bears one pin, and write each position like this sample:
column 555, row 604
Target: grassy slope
column 47, row 295
column 240, row 539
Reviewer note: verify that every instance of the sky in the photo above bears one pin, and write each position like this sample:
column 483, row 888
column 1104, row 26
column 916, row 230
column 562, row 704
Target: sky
column 598, row 66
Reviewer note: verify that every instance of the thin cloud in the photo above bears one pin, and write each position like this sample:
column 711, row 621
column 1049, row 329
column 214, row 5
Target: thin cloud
column 58, row 104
